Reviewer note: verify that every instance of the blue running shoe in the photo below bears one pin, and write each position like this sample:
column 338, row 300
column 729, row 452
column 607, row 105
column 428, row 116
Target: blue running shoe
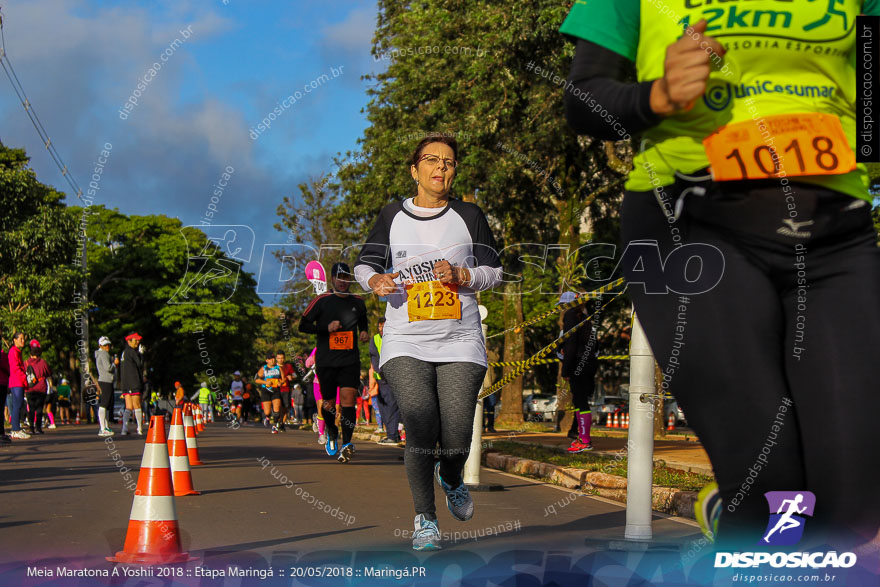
column 426, row 535
column 458, row 500
column 332, row 447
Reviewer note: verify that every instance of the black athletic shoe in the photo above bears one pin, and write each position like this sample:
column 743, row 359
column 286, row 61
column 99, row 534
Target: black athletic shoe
column 388, row 442
column 346, row 453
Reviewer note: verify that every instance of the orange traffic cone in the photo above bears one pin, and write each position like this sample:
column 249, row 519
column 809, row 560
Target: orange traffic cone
column 77, row 418
column 180, row 475
column 192, row 447
column 615, row 421
column 608, row 421
column 200, row 419
column 626, row 420
column 671, row 424
column 153, row 537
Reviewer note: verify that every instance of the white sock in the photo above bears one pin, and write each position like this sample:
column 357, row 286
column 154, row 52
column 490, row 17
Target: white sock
column 139, row 416
column 102, row 418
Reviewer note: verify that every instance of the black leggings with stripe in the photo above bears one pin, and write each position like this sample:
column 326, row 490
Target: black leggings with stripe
column 759, row 341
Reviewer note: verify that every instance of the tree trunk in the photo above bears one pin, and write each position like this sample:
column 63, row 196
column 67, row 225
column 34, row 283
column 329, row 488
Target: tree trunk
column 568, row 235
column 514, row 350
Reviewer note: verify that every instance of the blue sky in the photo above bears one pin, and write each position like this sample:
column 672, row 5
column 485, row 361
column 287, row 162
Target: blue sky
column 80, row 61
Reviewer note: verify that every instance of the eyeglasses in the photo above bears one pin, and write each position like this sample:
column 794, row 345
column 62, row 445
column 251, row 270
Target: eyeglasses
column 434, row 160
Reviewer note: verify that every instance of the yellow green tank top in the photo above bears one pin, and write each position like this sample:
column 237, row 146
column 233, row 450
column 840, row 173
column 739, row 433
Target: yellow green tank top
column 782, row 57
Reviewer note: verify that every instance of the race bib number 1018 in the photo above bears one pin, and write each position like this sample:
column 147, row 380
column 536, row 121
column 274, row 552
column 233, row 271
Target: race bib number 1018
column 432, row 300
column 803, row 144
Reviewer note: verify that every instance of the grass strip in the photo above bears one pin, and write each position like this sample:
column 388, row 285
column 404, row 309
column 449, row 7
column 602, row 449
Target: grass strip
column 616, row 465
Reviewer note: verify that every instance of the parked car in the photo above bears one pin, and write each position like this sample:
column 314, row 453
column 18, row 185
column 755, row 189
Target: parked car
column 611, row 404
column 539, row 407
column 671, row 407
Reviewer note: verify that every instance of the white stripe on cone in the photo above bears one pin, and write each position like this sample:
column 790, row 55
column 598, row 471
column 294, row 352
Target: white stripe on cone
column 190, row 442
column 153, row 508
column 155, row 456
column 180, row 464
column 176, row 432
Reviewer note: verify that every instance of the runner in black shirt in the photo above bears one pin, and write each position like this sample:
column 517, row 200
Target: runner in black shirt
column 339, row 319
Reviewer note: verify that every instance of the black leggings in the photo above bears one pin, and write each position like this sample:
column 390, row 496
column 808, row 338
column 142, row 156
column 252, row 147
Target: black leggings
column 734, row 357
column 437, row 404
column 582, row 388
column 4, row 389
column 36, row 400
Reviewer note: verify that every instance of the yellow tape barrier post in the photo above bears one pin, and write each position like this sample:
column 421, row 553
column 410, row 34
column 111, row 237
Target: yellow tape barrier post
column 580, row 301
column 554, row 360
column 528, row 363
column 639, row 464
column 471, row 475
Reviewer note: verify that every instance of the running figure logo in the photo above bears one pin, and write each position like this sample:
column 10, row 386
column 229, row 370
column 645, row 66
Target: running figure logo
column 832, row 9
column 786, row 526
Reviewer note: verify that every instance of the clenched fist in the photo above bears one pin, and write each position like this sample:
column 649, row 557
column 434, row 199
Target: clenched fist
column 687, row 68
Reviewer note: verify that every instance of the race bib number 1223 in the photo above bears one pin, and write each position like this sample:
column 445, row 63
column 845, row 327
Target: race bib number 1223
column 432, row 300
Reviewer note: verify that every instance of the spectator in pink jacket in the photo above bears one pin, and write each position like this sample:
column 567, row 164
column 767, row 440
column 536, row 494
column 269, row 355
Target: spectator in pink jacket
column 17, row 383
column 4, row 389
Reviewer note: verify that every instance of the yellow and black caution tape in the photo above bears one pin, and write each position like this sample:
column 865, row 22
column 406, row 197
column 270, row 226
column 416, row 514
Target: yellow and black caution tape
column 555, row 360
column 581, row 300
column 518, row 363
column 528, row 363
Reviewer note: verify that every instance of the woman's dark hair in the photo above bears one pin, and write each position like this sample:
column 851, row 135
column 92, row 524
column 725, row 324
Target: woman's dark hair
column 17, row 334
column 434, row 137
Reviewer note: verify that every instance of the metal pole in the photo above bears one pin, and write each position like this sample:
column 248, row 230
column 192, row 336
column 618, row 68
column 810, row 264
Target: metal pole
column 471, row 476
column 84, row 352
column 472, row 465
column 640, row 463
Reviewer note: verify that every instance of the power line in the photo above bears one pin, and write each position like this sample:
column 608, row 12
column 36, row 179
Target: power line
column 32, row 115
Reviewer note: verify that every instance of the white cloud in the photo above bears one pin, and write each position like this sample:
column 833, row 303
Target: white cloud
column 355, row 33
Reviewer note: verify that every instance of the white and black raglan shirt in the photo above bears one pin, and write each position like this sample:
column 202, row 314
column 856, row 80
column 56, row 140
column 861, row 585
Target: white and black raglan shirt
column 410, row 239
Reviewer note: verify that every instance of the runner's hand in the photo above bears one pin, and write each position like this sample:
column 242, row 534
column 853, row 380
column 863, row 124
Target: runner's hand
column 364, row 336
column 333, row 326
column 448, row 273
column 687, row 68
column 383, row 284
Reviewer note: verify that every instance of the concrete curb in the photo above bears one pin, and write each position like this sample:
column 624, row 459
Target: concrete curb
column 667, row 500
column 658, row 461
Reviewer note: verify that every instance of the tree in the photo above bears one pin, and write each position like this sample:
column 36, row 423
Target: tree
column 40, row 270
column 198, row 312
column 316, row 234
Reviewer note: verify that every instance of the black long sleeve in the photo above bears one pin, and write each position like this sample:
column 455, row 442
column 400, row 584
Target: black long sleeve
column 599, row 76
